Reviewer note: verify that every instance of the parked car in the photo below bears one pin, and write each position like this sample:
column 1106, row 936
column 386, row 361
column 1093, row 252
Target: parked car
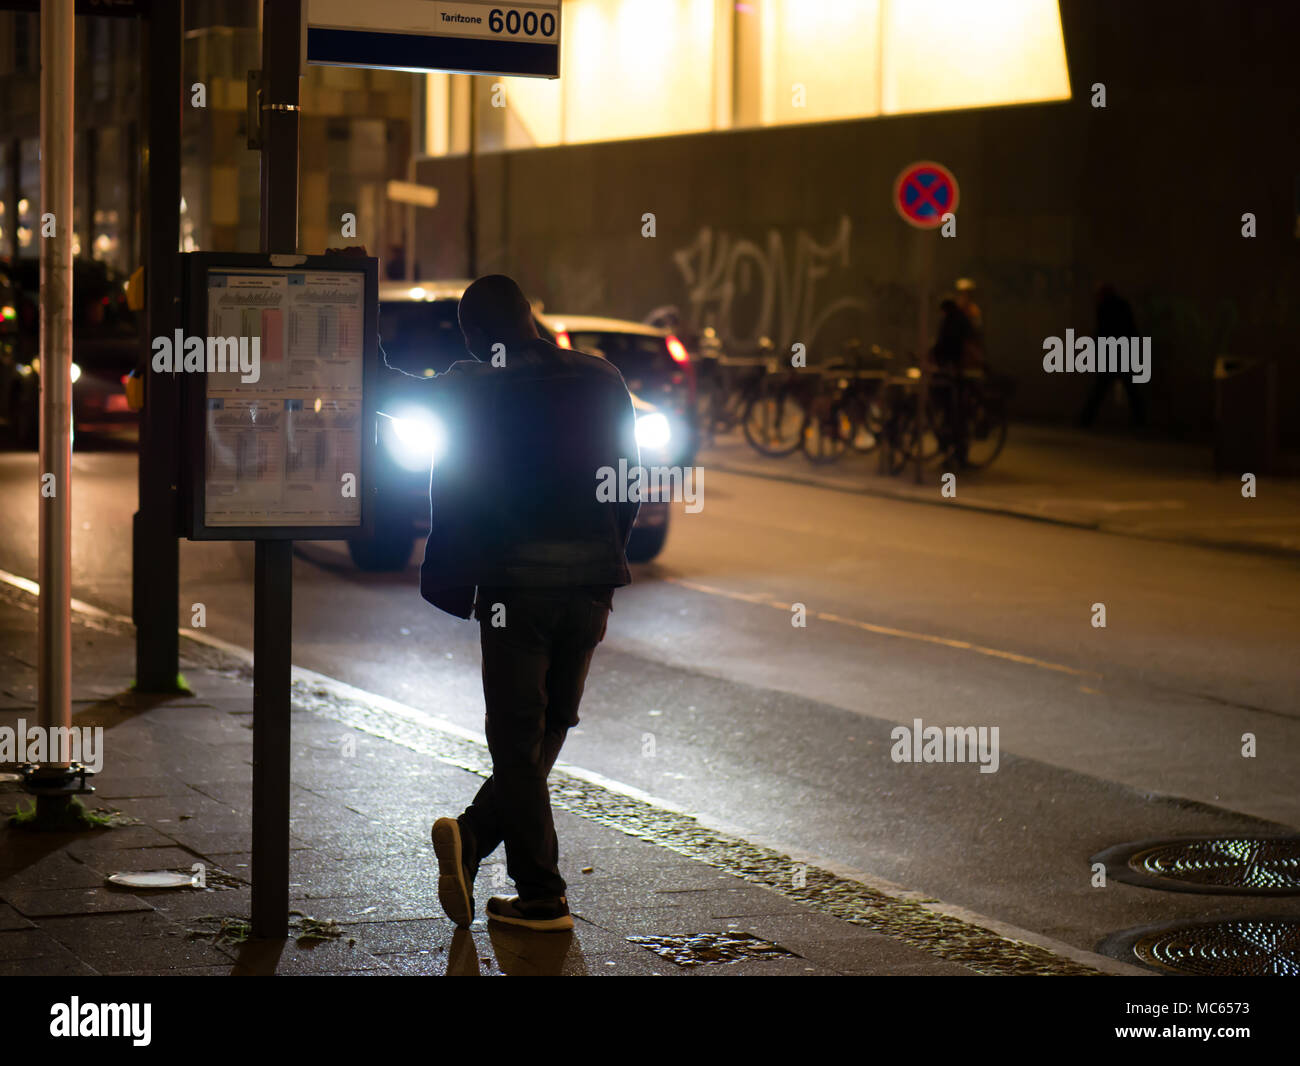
column 105, row 348
column 419, row 333
column 655, row 364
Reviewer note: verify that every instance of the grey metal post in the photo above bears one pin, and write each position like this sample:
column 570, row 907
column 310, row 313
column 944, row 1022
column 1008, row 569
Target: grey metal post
column 155, row 576
column 926, row 239
column 283, row 54
column 471, row 199
column 54, row 689
column 417, row 147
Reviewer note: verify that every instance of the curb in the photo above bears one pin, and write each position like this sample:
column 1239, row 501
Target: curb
column 969, row 503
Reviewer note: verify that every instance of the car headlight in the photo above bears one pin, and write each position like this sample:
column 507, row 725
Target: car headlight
column 34, row 367
column 415, row 441
column 653, row 431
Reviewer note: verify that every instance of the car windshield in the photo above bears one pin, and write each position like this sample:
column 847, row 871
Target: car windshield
column 635, row 354
column 421, row 335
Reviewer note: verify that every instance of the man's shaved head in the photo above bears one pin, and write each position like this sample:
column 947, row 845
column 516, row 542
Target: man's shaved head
column 494, row 310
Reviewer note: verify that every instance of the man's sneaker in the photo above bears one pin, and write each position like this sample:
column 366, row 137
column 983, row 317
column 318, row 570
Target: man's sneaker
column 541, row 915
column 455, row 879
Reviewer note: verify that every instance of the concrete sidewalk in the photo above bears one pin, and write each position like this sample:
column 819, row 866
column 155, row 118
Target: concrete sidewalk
column 369, row 777
column 1115, row 483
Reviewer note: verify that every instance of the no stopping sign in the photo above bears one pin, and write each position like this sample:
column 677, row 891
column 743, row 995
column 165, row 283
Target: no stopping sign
column 924, row 193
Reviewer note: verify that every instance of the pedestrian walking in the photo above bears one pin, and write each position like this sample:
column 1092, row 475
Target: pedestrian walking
column 953, row 344
column 1114, row 320
column 520, row 540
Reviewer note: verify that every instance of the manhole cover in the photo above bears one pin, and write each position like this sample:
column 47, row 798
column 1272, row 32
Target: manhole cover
column 699, row 949
column 1229, row 947
column 1256, row 866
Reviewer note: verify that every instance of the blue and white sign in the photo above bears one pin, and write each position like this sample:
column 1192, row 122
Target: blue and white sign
column 508, row 37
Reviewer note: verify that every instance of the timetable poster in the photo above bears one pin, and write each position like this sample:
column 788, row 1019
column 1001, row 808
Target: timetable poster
column 283, row 407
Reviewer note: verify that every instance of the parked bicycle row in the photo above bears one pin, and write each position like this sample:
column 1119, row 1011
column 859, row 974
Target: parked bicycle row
column 863, row 403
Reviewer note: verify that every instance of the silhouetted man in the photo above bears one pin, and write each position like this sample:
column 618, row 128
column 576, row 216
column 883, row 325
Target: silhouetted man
column 1114, row 319
column 515, row 512
column 955, row 338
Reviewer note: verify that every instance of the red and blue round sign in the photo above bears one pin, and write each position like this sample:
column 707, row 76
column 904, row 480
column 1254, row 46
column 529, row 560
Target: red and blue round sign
column 924, row 193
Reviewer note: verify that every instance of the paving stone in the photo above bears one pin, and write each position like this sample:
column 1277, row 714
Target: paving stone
column 29, row 943
column 388, row 937
column 72, row 901
column 11, row 920
column 108, row 787
column 123, row 838
column 183, row 905
column 210, row 842
column 136, row 860
column 466, row 954
column 61, row 964
column 53, row 871
column 133, row 942
column 367, row 908
column 331, row 955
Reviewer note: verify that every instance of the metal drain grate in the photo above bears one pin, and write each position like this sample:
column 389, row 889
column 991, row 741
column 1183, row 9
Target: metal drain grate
column 1229, row 947
column 1257, row 866
column 699, row 949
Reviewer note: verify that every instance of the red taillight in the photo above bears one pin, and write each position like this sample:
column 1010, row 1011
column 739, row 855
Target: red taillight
column 678, row 351
column 562, row 339
column 125, row 378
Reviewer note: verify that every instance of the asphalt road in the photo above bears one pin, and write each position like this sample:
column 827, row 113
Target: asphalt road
column 705, row 694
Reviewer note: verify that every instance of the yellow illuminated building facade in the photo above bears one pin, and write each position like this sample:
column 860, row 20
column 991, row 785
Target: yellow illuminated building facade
column 646, row 68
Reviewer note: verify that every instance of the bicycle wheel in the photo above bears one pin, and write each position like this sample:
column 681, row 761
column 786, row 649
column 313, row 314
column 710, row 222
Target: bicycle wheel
column 867, row 416
column 986, row 428
column 939, row 442
column 899, row 433
column 774, row 423
column 827, row 436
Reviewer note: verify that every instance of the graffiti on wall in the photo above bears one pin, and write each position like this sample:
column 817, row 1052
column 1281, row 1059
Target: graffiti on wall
column 747, row 292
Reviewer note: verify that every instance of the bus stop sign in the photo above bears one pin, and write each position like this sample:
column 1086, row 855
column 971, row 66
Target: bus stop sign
column 507, row 37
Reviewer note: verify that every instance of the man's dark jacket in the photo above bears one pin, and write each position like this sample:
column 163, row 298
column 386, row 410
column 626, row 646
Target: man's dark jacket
column 513, row 495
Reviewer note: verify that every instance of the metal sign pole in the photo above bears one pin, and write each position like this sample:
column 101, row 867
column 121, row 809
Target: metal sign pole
column 926, row 239
column 924, row 193
column 155, row 571
column 471, row 192
column 283, row 53
column 54, row 689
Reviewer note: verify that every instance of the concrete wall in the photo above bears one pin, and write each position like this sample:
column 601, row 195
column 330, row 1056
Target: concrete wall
column 790, row 232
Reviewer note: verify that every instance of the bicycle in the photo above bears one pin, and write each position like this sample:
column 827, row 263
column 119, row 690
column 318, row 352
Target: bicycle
column 983, row 413
column 981, row 407
column 777, row 414
column 850, row 415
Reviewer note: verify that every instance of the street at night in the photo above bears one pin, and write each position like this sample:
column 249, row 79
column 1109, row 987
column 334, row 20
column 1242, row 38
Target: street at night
column 782, row 734
column 975, row 663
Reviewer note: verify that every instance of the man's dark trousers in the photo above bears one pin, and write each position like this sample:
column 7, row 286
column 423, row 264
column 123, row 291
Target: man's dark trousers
column 534, row 669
